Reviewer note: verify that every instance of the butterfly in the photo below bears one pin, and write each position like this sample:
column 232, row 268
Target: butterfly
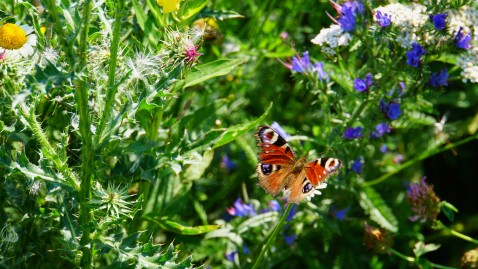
column 279, row 169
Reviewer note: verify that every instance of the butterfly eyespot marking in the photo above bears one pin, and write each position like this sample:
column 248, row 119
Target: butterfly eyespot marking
column 266, row 168
column 307, row 187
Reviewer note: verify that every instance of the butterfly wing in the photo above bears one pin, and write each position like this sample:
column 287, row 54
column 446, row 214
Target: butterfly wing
column 276, row 160
column 313, row 175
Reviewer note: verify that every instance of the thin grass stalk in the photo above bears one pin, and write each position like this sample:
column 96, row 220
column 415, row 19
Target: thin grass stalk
column 278, row 227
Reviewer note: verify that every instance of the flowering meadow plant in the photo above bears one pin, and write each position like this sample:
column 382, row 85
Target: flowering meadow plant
column 126, row 133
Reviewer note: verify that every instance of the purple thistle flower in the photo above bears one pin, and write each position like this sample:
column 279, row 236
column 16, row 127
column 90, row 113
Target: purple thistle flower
column 383, row 128
column 363, row 85
column 290, row 239
column 439, row 79
column 423, row 201
column 439, row 21
column 415, row 54
column 240, row 209
column 462, row 41
column 394, row 111
column 357, row 165
column 352, row 133
column 383, row 19
column 192, row 55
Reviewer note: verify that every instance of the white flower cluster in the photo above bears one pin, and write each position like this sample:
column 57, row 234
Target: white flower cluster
column 469, row 63
column 331, row 38
column 409, row 19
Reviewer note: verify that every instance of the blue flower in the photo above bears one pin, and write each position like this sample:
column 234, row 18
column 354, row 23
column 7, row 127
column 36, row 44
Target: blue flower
column 276, row 127
column 362, row 85
column 227, row 164
column 383, row 106
column 439, row 21
column 439, row 79
column 382, row 19
column 462, row 41
column 341, row 214
column 230, row 256
column 352, row 132
column 382, row 129
column 292, row 212
column 318, row 68
column 240, row 209
column 415, row 54
column 357, row 165
column 246, row 250
column 383, row 148
column 299, row 64
column 394, row 111
column 275, row 206
column 348, row 12
column 290, row 239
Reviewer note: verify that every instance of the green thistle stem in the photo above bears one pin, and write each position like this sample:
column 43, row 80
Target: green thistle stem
column 111, row 91
column 87, row 166
column 421, row 157
column 272, row 236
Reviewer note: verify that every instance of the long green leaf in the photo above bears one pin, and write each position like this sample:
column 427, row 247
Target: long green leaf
column 375, row 206
column 210, row 70
column 176, row 227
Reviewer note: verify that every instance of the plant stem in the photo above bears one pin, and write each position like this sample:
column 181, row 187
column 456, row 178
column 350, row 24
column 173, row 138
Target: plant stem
column 111, row 90
column 462, row 236
column 413, row 260
column 272, row 236
column 420, row 157
column 87, row 153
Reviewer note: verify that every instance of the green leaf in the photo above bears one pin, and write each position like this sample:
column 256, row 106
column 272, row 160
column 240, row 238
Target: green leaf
column 448, row 209
column 221, row 14
column 194, row 172
column 176, row 227
column 190, row 8
column 210, row 70
column 375, row 206
column 258, row 220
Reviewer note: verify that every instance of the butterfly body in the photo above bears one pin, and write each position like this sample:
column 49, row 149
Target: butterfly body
column 279, row 169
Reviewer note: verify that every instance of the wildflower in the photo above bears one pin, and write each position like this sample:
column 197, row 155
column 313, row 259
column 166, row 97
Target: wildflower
column 469, row 259
column 383, row 128
column 240, row 209
column 331, row 38
column 348, row 13
column 363, row 85
column 462, row 41
column 227, row 164
column 384, row 106
column 276, row 126
column 284, row 36
column 17, row 40
column 304, row 65
column 292, row 213
column 397, row 159
column 113, row 200
column 357, row 165
column 318, row 69
column 439, row 79
column 275, row 206
column 423, row 201
column 377, row 240
column 290, row 239
column 352, row 133
column 415, row 54
column 340, row 214
column 382, row 19
column 2, row 55
column 383, row 148
column 231, row 256
column 191, row 54
column 168, row 5
column 439, row 21
column 394, row 111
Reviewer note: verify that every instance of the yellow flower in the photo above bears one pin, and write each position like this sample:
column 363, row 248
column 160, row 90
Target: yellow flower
column 169, row 5
column 17, row 40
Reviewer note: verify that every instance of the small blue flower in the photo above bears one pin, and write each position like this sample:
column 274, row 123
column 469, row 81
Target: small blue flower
column 230, row 256
column 299, row 64
column 341, row 214
column 394, row 111
column 275, row 206
column 383, row 106
column 276, row 127
column 352, row 133
column 383, row 19
column 240, row 209
column 292, row 212
column 318, row 68
column 348, row 13
column 462, row 41
column 382, row 128
column 227, row 164
column 383, row 148
column 439, row 79
column 290, row 239
column 439, row 21
column 357, row 165
column 363, row 85
column 415, row 54
column 246, row 250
